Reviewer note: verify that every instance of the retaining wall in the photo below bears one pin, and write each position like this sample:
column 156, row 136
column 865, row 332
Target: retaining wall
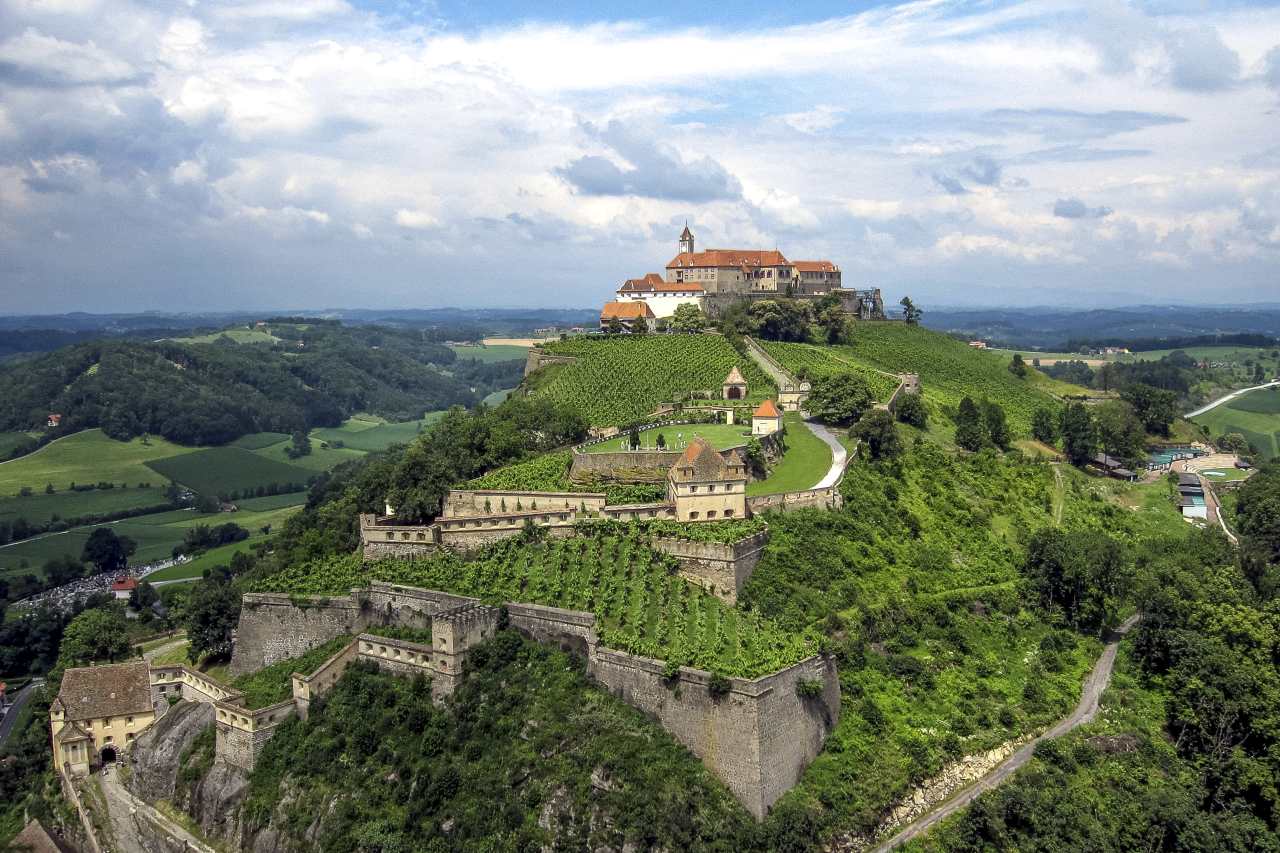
column 827, row 498
column 538, row 358
column 721, row 568
column 570, row 630
column 639, row 465
column 308, row 687
column 278, row 627
column 465, row 503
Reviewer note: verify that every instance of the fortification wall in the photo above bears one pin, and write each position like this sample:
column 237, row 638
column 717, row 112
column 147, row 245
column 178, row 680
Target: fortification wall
column 405, row 606
column 307, row 687
column 626, row 465
column 721, row 568
column 277, row 627
column 400, row 657
column 465, row 503
column 538, row 358
column 827, row 498
column 571, row 630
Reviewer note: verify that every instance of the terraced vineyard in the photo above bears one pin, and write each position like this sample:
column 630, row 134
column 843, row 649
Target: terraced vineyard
column 643, row 606
column 550, row 473
column 616, row 380
column 808, row 361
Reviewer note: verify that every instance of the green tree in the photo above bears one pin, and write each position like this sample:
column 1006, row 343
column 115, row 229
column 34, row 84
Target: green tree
column 613, row 326
column 212, row 612
column 878, row 433
column 300, row 445
column 910, row 312
column 830, row 316
column 143, row 596
column 971, row 427
column 1079, row 435
column 911, row 410
column 1044, row 426
column 1156, row 407
column 840, row 398
column 780, row 319
column 95, row 636
column 1081, row 575
column 1120, row 431
column 688, row 319
column 1017, row 366
column 64, row 569
column 661, row 442
column 1233, row 442
column 639, row 326
column 107, row 551
column 997, row 425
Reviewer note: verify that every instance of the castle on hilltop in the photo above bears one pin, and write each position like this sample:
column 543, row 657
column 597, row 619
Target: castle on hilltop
column 715, row 278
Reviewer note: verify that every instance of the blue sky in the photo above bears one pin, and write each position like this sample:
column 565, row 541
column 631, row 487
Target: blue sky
column 310, row 153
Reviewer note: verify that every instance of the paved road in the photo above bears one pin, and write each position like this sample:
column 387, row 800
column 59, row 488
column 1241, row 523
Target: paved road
column 1086, row 710
column 21, row 698
column 1231, row 396
column 838, row 454
column 128, row 813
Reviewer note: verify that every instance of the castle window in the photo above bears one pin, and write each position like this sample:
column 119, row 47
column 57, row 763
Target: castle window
column 391, row 536
column 711, row 488
column 728, row 513
column 711, row 513
column 693, row 514
column 693, row 489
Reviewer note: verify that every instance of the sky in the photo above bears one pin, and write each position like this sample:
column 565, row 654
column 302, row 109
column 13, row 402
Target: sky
column 266, row 154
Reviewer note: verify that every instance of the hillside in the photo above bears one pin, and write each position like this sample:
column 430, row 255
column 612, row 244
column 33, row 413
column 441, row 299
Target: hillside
column 619, row 379
column 527, row 755
column 282, row 377
column 1255, row 415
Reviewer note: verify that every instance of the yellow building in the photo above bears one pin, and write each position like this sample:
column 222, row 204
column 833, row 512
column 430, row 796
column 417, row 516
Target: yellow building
column 98, row 713
column 705, row 486
column 766, row 419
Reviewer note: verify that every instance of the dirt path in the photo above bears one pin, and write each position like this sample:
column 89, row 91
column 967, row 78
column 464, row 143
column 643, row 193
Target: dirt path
column 1085, row 711
column 167, row 647
column 838, row 454
column 1060, row 494
column 135, row 822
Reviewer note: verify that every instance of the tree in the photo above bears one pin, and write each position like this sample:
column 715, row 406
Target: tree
column 1079, row 436
column 1017, row 366
column 1120, row 431
column 911, row 410
column 840, row 398
column 1156, row 407
column 1081, row 575
column 300, row 446
column 613, row 326
column 633, row 439
column 971, row 427
column 780, row 319
column 212, row 613
column 107, row 551
column 688, row 319
column 661, row 442
column 64, row 569
column 640, row 326
column 1233, row 442
column 143, row 596
column 829, row 314
column 910, row 312
column 1044, row 427
column 878, row 433
column 997, row 425
column 99, row 635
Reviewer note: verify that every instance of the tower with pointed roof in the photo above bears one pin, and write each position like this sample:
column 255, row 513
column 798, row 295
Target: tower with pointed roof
column 686, row 239
column 707, row 486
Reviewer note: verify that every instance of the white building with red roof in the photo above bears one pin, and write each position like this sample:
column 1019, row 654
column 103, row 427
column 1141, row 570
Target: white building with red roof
column 627, row 313
column 749, row 271
column 766, row 419
column 662, row 296
column 124, row 585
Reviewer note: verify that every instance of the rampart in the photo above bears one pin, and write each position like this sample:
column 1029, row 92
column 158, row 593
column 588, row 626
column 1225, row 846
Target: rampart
column 650, row 466
column 466, row 503
column 278, row 627
column 721, row 568
column 824, row 498
column 539, row 358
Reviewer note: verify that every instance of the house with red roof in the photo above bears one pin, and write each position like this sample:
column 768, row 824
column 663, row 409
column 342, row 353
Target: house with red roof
column 123, row 586
column 628, row 314
column 766, row 419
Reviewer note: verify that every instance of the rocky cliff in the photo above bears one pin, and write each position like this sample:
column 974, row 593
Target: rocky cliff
column 157, row 755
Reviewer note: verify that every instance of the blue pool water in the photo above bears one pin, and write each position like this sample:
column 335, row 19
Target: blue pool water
column 1165, row 455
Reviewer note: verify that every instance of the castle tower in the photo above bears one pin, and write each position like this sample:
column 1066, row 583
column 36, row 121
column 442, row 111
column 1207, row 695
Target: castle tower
column 686, row 239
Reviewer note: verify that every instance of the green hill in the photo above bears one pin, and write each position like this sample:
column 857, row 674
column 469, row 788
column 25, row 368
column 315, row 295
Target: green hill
column 623, row 378
column 1255, row 415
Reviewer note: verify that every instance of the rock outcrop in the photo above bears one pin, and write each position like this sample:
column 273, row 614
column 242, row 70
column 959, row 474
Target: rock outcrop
column 158, row 752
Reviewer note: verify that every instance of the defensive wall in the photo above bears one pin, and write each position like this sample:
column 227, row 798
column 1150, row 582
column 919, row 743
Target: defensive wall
column 792, row 392
column 286, row 626
column 828, row 497
column 756, row 735
column 539, row 358
column 721, row 568
column 908, row 383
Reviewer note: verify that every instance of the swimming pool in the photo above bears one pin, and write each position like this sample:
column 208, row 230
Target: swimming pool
column 1165, row 455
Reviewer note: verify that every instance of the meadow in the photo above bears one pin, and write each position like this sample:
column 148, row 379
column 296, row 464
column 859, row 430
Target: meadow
column 369, row 434
column 12, row 440
column 40, row 508
column 1255, row 415
column 721, row 437
column 240, row 336
column 803, row 465
column 812, row 362
column 89, row 457
column 491, row 353
column 222, row 470
column 621, row 379
column 643, row 606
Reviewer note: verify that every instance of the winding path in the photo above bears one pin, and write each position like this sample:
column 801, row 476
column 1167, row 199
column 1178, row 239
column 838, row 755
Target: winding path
column 1086, row 710
column 838, row 453
column 1218, row 402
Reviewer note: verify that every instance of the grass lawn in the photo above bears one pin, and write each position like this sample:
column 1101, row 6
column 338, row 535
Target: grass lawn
column 1255, row 415
column 498, row 352
column 194, row 569
column 219, row 470
column 40, row 508
column 721, row 437
column 805, row 463
column 1225, row 475
column 273, row 501
column 89, row 457
column 370, row 435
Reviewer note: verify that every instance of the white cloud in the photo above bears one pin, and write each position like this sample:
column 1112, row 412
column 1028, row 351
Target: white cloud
column 45, row 59
column 416, row 219
column 820, row 118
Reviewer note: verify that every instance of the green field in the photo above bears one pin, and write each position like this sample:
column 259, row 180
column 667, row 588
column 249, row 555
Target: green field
column 498, row 352
column 1225, row 475
column 721, row 436
column 369, row 434
column 240, row 336
column 497, row 397
column 1255, row 415
column 319, row 459
column 10, row 440
column 272, row 501
column 154, row 541
column 616, row 380
column 40, row 508
column 805, row 463
column 88, row 457
column 221, row 470
column 259, row 440
column 643, row 606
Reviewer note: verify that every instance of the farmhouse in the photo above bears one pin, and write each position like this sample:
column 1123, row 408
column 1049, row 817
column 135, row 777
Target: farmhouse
column 123, row 586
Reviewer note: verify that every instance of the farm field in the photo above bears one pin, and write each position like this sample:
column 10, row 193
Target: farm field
column 803, row 466
column 721, row 437
column 643, row 606
column 949, row 370
column 11, row 440
column 259, row 440
column 220, row 470
column 618, row 380
column 40, row 508
column 497, row 352
column 240, row 336
column 810, row 361
column 154, row 541
column 1255, row 415
column 195, row 568
column 272, row 501
column 372, row 434
column 319, row 459
column 88, row 457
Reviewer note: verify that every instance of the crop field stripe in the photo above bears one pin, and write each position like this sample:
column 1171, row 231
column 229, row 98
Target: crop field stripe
column 219, row 470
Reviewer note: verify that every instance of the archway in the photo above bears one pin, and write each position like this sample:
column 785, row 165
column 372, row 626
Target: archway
column 108, row 754
column 735, row 393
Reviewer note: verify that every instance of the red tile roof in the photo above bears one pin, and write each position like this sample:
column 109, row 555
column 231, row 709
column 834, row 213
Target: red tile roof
column 815, row 266
column 729, row 258
column 626, row 311
column 124, row 584
column 654, row 283
column 700, row 462
column 766, row 410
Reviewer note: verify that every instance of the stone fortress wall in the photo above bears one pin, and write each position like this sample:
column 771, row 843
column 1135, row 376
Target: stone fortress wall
column 757, row 737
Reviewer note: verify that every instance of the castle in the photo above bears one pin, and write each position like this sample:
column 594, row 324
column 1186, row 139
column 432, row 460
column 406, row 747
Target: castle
column 715, row 278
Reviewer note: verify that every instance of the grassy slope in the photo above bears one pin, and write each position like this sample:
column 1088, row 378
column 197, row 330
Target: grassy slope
column 367, row 434
column 87, row 457
column 721, row 436
column 812, row 362
column 218, row 470
column 804, row 464
column 488, row 354
column 1255, row 415
column 10, row 440
column 40, row 508
column 622, row 379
